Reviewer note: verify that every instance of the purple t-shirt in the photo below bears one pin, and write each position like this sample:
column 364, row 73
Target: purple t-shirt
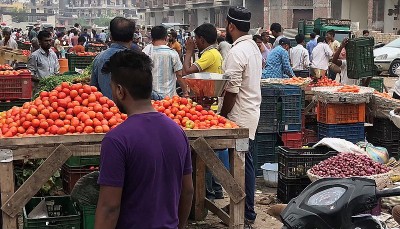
column 147, row 155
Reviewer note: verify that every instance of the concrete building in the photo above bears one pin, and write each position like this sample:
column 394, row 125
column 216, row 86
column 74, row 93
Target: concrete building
column 195, row 12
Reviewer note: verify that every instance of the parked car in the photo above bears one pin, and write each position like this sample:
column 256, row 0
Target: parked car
column 387, row 58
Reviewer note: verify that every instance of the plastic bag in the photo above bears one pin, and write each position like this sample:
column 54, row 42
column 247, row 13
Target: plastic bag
column 86, row 190
column 378, row 154
column 340, row 145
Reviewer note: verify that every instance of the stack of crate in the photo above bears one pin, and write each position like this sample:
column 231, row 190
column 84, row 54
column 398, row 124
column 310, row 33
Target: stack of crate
column 75, row 168
column 385, row 133
column 280, row 122
column 292, row 167
column 341, row 120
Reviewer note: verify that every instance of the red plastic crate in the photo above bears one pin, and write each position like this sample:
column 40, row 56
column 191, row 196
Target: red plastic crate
column 340, row 113
column 70, row 176
column 293, row 140
column 16, row 86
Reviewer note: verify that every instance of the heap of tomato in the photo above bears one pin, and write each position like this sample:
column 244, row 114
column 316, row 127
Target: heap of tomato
column 325, row 82
column 190, row 115
column 68, row 108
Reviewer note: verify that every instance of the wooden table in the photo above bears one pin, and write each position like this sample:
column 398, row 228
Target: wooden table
column 57, row 149
column 12, row 55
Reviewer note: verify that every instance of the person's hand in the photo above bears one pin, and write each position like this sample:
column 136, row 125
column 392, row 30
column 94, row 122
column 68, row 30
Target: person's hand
column 190, row 45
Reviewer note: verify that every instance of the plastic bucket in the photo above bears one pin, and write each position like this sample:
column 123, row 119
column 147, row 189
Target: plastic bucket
column 270, row 173
column 63, row 65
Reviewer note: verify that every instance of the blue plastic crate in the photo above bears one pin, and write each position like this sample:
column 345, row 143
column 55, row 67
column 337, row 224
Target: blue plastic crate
column 291, row 113
column 271, row 90
column 269, row 115
column 350, row 132
column 264, row 151
column 290, row 90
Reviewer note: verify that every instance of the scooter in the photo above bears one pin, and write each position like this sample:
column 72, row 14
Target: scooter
column 336, row 203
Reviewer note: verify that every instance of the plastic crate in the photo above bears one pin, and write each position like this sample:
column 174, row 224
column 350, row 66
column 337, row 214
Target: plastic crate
column 74, row 161
column 79, row 62
column 7, row 105
column 264, row 151
column 88, row 216
column 340, row 113
column 350, row 132
column 61, row 210
column 70, row 176
column 360, row 57
column 293, row 140
column 289, row 189
column 309, row 136
column 384, row 129
column 23, row 46
column 376, row 83
column 269, row 118
column 15, row 87
column 291, row 118
column 294, row 163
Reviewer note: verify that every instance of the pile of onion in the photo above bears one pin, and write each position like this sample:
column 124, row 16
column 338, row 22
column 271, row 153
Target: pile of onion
column 348, row 165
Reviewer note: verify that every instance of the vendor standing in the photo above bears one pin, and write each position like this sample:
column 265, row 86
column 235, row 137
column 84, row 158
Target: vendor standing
column 7, row 40
column 278, row 62
column 342, row 63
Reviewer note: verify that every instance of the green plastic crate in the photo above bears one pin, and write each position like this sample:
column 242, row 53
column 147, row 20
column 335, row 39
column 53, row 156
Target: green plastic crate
column 88, row 216
column 7, row 105
column 377, row 84
column 75, row 161
column 360, row 58
column 79, row 62
column 62, row 214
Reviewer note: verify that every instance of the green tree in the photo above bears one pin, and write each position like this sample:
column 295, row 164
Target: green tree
column 103, row 21
column 19, row 15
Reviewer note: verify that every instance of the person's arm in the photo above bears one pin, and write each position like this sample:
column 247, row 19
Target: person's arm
column 185, row 201
column 108, row 207
column 94, row 81
column 32, row 65
column 188, row 67
column 234, row 70
column 286, row 64
column 335, row 59
column 179, row 50
column 177, row 64
column 57, row 66
column 328, row 51
column 306, row 60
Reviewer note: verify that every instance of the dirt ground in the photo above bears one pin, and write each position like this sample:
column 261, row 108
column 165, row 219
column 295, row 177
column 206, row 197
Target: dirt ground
column 265, row 197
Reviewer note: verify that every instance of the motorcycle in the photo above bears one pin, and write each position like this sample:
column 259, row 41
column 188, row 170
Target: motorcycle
column 336, row 203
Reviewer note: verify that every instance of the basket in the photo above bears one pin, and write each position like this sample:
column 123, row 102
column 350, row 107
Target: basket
column 350, row 132
column 7, row 105
column 382, row 180
column 360, row 57
column 381, row 106
column 14, row 87
column 376, row 83
column 289, row 189
column 61, row 210
column 23, row 46
column 293, row 140
column 79, row 62
column 330, row 95
column 340, row 113
column 293, row 163
column 70, row 176
column 264, row 151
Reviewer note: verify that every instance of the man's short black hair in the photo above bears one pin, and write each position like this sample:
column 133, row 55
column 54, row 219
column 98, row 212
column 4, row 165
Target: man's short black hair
column 159, row 33
column 81, row 39
column 122, row 29
column 85, row 30
column 240, row 17
column 173, row 34
column 313, row 35
column 75, row 32
column 220, row 39
column 317, row 31
column 76, row 25
column 257, row 37
column 300, row 38
column 131, row 70
column 208, row 32
column 320, row 39
column 331, row 32
column 264, row 34
column 43, row 34
column 365, row 31
column 276, row 27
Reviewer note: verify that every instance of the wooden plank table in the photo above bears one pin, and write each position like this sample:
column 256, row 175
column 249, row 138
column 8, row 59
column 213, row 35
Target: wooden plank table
column 57, row 150
column 12, row 55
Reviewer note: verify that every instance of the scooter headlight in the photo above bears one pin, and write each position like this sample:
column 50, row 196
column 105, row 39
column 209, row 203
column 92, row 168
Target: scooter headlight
column 326, row 197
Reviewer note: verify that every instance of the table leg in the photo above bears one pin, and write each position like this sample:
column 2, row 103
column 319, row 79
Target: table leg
column 7, row 190
column 199, row 168
column 237, row 164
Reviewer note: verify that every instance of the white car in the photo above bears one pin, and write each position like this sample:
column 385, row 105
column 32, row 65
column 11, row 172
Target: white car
column 387, row 58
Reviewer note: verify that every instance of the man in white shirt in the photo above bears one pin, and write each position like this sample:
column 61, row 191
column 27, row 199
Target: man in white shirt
column 8, row 41
column 276, row 30
column 320, row 58
column 299, row 57
column 342, row 63
column 242, row 100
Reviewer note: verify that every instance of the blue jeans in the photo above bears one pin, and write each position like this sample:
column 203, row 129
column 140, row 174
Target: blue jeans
column 250, row 182
column 213, row 187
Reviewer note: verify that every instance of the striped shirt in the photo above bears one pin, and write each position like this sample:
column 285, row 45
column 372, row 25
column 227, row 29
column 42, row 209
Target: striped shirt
column 165, row 63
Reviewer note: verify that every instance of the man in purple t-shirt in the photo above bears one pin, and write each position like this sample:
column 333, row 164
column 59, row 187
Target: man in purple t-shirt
column 145, row 172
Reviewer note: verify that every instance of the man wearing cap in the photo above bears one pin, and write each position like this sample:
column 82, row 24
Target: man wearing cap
column 278, row 63
column 242, row 98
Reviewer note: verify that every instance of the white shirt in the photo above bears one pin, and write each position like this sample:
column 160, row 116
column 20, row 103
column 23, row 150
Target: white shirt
column 224, row 48
column 10, row 44
column 243, row 65
column 320, row 56
column 299, row 58
column 276, row 43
